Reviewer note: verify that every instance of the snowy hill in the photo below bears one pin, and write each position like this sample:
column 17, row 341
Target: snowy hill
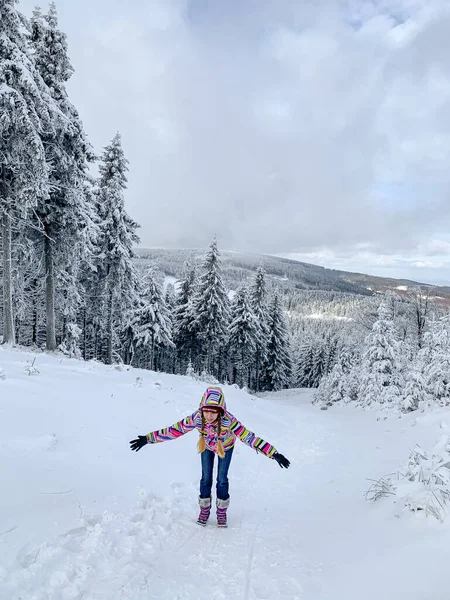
column 82, row 517
column 283, row 273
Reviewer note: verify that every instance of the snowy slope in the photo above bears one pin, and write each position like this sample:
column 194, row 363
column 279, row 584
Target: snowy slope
column 82, row 517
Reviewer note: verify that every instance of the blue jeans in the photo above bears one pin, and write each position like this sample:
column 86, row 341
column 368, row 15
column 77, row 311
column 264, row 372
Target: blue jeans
column 206, row 481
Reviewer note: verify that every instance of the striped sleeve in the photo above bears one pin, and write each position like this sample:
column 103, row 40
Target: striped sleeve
column 176, row 430
column 250, row 439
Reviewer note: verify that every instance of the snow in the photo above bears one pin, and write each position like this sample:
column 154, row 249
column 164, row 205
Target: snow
column 82, row 517
column 323, row 316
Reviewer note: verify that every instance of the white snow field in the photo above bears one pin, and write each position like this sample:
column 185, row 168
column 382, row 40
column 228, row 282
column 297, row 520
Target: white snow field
column 82, row 517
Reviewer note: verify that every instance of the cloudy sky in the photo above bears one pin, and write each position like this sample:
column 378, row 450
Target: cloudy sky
column 318, row 129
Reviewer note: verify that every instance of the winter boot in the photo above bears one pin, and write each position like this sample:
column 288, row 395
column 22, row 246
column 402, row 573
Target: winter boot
column 205, row 509
column 222, row 506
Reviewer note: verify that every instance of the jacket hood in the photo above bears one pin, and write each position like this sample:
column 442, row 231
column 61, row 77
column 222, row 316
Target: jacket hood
column 213, row 397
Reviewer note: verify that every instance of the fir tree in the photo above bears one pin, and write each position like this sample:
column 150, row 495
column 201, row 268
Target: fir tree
column 66, row 214
column 184, row 335
column 305, row 369
column 379, row 373
column 243, row 336
column 436, row 358
column 278, row 364
column 26, row 112
column 212, row 312
column 153, row 325
column 258, row 299
column 117, row 236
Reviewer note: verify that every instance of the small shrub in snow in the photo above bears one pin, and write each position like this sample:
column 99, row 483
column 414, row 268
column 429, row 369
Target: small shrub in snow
column 424, row 484
column 70, row 345
column 2, row 375
column 31, row 369
column 380, row 489
column 190, row 370
column 139, row 381
column 208, row 378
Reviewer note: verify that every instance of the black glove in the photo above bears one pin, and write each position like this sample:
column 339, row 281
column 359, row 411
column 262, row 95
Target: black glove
column 281, row 460
column 138, row 443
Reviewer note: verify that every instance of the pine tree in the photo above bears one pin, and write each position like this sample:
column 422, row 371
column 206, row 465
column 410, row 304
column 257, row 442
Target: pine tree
column 415, row 394
column 258, row 299
column 278, row 364
column 117, row 236
column 184, row 335
column 305, row 369
column 336, row 386
column 379, row 380
column 436, row 352
column 243, row 336
column 153, row 325
column 211, row 311
column 26, row 112
column 65, row 215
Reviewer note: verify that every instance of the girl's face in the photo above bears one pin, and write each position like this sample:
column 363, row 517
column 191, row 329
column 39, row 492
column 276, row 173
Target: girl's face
column 210, row 415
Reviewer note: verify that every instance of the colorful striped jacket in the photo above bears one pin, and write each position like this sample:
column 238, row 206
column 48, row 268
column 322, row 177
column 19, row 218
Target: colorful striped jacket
column 230, row 429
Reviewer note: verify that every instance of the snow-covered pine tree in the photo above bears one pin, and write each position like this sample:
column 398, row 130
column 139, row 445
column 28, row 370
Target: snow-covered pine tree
column 26, row 112
column 152, row 321
column 277, row 369
column 118, row 278
column 379, row 376
column 66, row 214
column 169, row 353
column 435, row 356
column 184, row 335
column 258, row 300
column 305, row 365
column 319, row 367
column 337, row 385
column 211, row 308
column 243, row 337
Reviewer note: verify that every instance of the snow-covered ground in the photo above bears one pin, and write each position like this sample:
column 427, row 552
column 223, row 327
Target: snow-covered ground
column 82, row 517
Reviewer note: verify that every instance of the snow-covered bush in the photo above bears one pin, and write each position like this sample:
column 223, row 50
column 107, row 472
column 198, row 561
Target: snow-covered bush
column 71, row 343
column 190, row 371
column 339, row 384
column 424, row 483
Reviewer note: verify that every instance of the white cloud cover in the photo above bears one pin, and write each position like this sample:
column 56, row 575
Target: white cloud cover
column 284, row 127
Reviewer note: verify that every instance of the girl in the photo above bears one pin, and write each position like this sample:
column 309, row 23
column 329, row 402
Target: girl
column 218, row 432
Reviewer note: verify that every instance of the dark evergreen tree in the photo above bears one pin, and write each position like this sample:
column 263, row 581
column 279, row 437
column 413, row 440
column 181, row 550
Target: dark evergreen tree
column 184, row 334
column 258, row 298
column 211, row 308
column 278, row 364
column 243, row 336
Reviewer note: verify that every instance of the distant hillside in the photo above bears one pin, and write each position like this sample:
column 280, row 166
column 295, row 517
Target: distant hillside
column 282, row 272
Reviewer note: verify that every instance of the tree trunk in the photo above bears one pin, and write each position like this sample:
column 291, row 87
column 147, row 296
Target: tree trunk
column 35, row 313
column 8, row 320
column 109, row 350
column 84, row 333
column 257, row 369
column 49, row 293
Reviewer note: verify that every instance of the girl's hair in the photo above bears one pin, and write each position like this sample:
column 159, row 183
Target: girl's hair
column 201, row 445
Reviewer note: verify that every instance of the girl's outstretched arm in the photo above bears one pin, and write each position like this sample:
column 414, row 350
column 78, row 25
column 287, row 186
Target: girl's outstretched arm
column 257, row 443
column 168, row 433
column 250, row 439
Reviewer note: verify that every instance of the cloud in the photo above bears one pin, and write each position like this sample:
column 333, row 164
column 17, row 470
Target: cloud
column 272, row 123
